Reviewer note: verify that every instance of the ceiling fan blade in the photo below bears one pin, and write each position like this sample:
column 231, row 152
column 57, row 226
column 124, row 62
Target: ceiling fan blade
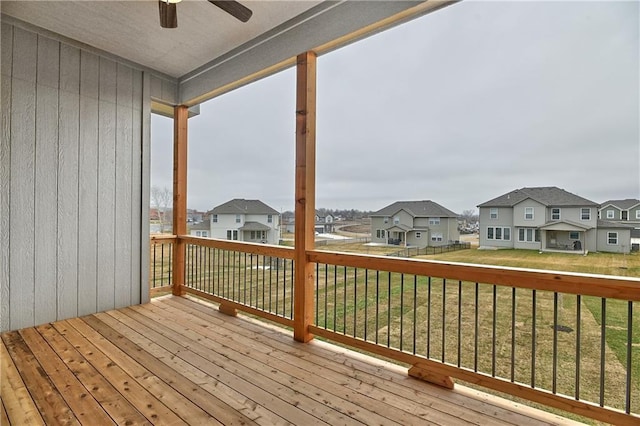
column 234, row 9
column 168, row 14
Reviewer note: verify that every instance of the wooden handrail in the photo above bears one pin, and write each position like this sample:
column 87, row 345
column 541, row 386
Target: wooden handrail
column 255, row 248
column 163, row 238
column 611, row 287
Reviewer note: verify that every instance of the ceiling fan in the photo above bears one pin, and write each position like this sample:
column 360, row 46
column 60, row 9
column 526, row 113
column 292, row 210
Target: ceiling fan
column 169, row 14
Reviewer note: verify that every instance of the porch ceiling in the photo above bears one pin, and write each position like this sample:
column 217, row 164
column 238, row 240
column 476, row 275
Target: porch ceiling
column 211, row 52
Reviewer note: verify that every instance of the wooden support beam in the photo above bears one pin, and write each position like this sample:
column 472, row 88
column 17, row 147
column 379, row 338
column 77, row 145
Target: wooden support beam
column 423, row 372
column 305, row 195
column 181, row 114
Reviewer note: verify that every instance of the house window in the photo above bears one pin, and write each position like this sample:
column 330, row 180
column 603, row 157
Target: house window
column 385, row 220
column 493, row 213
column 418, row 234
column 237, row 218
column 610, row 214
column 436, row 237
column 232, row 234
column 625, row 215
column 434, row 221
column 585, row 214
column 528, row 213
column 396, row 220
column 574, row 235
column 612, row 238
column 215, row 218
column 528, row 235
column 198, row 234
column 269, row 218
column 638, row 214
column 498, row 233
column 380, row 233
column 555, row 214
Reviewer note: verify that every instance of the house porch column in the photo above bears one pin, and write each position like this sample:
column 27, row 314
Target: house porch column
column 180, row 116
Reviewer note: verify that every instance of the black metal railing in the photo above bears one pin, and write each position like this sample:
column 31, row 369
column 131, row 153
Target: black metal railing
column 161, row 262
column 556, row 342
column 241, row 274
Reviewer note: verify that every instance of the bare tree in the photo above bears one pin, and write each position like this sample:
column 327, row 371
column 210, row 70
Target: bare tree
column 160, row 200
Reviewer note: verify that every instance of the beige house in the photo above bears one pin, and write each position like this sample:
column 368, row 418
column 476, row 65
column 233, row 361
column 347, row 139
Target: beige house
column 414, row 223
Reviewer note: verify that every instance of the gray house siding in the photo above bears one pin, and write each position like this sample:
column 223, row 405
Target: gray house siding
column 504, row 220
column 622, row 244
column 611, row 213
column 74, row 126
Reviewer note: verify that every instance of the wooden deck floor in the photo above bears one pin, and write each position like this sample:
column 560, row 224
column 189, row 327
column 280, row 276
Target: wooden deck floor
column 179, row 361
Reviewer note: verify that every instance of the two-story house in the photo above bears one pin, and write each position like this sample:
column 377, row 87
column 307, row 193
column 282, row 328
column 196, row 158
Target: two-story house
column 324, row 224
column 548, row 219
column 625, row 212
column 245, row 220
column 417, row 223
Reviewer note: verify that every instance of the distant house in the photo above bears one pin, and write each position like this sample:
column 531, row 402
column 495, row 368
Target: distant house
column 324, row 224
column 548, row 219
column 625, row 212
column 245, row 220
column 202, row 229
column 416, row 223
column 195, row 216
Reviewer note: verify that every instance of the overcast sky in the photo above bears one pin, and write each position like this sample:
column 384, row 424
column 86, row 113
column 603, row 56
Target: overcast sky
column 458, row 107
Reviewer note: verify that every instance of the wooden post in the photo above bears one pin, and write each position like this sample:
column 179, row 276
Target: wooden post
column 304, row 280
column 180, row 116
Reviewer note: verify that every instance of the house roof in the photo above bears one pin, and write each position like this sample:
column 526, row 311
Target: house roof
column 254, row 226
column 211, row 52
column 603, row 224
column 201, row 226
column 242, row 206
column 621, row 204
column 424, row 208
column 565, row 225
column 547, row 195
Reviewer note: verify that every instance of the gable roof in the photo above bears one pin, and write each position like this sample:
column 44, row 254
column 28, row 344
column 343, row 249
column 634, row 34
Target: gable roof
column 242, row 206
column 621, row 204
column 603, row 224
column 424, row 208
column 547, row 195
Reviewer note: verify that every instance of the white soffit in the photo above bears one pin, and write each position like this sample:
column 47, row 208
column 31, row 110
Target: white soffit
column 131, row 29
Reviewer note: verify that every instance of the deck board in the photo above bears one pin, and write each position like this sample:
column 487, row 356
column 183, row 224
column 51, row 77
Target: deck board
column 179, row 361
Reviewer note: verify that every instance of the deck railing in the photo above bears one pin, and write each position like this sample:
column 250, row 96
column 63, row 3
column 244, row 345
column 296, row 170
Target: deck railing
column 569, row 341
column 160, row 268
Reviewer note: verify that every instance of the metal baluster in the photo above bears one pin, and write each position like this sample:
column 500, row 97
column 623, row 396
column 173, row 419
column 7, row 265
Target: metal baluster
column 459, row 319
column 627, row 402
column 389, row 310
column 428, row 317
column 366, row 303
column 444, row 317
column 578, row 323
column 603, row 344
column 533, row 338
column 554, row 367
column 377, row 303
column 475, row 336
column 401, row 310
column 355, row 300
column 493, row 330
column 513, row 333
column 415, row 309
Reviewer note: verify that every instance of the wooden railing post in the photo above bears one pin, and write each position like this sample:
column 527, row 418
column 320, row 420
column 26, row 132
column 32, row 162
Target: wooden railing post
column 305, row 195
column 180, row 116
